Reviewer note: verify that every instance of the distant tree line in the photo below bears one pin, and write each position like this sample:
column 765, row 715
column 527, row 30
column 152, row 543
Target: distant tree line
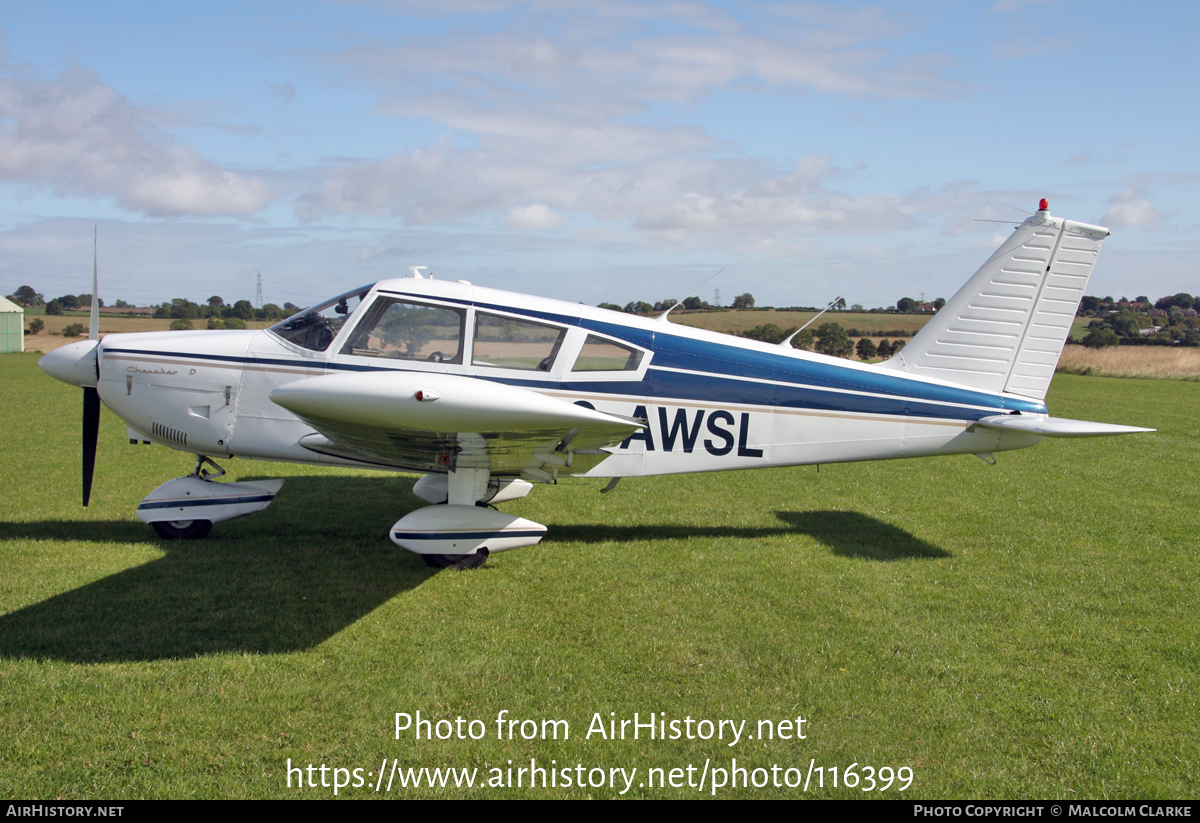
column 1168, row 321
column 26, row 296
column 215, row 310
column 828, row 338
column 906, row 305
column 743, row 302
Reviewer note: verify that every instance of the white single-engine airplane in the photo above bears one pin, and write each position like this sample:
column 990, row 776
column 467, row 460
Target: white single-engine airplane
column 487, row 392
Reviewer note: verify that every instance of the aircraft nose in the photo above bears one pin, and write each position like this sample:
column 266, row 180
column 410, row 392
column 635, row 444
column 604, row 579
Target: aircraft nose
column 74, row 363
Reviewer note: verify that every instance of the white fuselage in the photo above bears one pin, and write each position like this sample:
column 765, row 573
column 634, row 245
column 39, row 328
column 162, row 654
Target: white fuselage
column 711, row 401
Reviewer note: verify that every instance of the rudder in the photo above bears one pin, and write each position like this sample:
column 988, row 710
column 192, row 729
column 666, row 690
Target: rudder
column 1005, row 329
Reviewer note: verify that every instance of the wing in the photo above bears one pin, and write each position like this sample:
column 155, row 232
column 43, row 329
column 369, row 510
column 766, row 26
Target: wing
column 442, row 422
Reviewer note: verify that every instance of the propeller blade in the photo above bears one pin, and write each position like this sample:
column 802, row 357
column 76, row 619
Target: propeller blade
column 91, row 431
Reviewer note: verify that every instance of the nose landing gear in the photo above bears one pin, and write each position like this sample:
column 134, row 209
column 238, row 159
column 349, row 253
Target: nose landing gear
column 187, row 507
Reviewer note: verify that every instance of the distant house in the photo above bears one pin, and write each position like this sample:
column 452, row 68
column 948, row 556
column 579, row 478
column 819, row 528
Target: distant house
column 12, row 326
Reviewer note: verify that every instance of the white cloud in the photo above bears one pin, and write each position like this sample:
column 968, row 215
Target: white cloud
column 629, row 59
column 972, row 211
column 564, row 121
column 1131, row 212
column 75, row 135
column 667, row 200
column 536, row 217
column 990, row 244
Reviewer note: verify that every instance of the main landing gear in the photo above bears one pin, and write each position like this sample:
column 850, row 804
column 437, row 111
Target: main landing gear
column 462, row 534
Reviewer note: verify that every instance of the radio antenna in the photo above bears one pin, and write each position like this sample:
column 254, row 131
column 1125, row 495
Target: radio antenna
column 787, row 344
column 663, row 316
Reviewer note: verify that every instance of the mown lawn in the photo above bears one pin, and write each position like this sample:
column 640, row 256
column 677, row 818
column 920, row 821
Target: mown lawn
column 1020, row 630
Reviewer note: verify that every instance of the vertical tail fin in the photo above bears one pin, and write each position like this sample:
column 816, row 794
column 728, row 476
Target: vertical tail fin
column 1005, row 329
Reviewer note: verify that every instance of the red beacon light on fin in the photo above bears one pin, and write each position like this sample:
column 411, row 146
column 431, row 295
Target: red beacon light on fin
column 1044, row 205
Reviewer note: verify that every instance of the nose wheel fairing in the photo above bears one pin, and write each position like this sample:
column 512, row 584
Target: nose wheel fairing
column 197, row 499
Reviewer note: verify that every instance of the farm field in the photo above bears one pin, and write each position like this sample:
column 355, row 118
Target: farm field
column 1023, row 630
column 740, row 321
column 51, row 337
column 1149, row 362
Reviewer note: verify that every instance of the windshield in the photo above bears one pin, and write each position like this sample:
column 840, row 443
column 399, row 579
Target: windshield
column 316, row 327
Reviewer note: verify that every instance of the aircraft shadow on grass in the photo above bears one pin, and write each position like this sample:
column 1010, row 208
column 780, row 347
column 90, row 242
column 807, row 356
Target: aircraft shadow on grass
column 846, row 534
column 263, row 586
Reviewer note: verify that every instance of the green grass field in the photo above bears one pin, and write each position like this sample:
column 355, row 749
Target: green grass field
column 1024, row 630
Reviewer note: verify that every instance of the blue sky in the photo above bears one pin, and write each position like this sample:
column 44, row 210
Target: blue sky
column 603, row 151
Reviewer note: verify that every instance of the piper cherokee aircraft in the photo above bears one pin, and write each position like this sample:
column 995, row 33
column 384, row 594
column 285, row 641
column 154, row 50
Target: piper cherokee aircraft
column 487, row 392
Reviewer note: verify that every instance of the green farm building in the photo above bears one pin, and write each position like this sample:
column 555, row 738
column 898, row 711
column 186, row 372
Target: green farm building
column 12, row 326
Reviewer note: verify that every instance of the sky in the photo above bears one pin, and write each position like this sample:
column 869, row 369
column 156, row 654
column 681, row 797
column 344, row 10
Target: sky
column 596, row 152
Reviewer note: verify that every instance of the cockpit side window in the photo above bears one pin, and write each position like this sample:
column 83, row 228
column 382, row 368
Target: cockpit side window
column 315, row 328
column 511, row 343
column 400, row 329
column 599, row 354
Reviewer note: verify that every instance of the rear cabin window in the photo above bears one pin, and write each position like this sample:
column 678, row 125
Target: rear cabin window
column 598, row 354
column 402, row 330
column 509, row 343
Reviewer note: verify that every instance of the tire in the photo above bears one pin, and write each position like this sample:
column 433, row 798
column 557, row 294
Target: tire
column 472, row 561
column 182, row 529
column 461, row 562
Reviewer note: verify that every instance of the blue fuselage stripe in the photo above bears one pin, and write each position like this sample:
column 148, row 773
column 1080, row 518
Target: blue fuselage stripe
column 675, row 351
column 745, row 392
